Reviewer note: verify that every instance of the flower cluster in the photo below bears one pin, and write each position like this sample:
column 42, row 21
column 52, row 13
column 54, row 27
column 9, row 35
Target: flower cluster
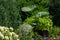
column 25, row 29
column 8, row 34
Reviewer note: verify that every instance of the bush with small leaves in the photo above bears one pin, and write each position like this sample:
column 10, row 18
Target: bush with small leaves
column 9, row 13
column 55, row 32
column 30, row 20
column 44, row 24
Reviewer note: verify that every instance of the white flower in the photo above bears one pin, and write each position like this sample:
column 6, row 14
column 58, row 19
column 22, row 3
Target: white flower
column 1, row 29
column 17, row 39
column 17, row 36
column 26, row 28
column 10, row 34
column 6, row 38
column 1, row 36
column 13, row 33
column 11, row 29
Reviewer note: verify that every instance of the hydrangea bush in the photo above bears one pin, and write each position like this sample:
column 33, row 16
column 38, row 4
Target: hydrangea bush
column 8, row 34
column 25, row 32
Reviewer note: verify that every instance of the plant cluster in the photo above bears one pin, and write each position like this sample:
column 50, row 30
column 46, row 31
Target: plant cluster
column 8, row 34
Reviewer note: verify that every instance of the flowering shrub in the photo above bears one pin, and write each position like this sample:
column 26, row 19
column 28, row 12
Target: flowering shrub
column 25, row 28
column 25, row 32
column 7, row 34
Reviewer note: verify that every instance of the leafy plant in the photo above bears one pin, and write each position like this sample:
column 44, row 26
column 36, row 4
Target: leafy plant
column 44, row 24
column 37, row 36
column 30, row 20
column 29, row 7
column 25, row 31
column 41, row 21
column 55, row 32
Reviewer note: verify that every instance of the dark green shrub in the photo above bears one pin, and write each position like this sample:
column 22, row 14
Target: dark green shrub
column 54, row 10
column 55, row 32
column 38, row 37
column 9, row 13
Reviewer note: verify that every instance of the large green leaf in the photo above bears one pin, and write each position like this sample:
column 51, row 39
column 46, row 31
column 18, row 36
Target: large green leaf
column 28, row 8
column 42, row 14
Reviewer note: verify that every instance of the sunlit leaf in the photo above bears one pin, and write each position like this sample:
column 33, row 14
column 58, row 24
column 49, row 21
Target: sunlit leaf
column 42, row 13
column 28, row 8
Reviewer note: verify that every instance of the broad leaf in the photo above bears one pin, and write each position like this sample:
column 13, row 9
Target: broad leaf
column 42, row 14
column 28, row 8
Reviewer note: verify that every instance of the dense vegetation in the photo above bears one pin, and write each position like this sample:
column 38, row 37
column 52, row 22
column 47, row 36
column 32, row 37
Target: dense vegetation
column 30, row 19
column 9, row 13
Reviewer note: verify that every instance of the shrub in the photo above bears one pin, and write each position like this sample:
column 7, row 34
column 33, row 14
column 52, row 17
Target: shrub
column 8, row 34
column 9, row 13
column 41, row 21
column 38, row 37
column 44, row 24
column 55, row 32
column 25, row 31
column 54, row 10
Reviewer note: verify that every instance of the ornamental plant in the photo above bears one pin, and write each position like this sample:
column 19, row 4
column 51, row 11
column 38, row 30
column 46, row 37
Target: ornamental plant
column 44, row 24
column 25, row 31
column 32, row 7
column 41, row 21
column 7, row 33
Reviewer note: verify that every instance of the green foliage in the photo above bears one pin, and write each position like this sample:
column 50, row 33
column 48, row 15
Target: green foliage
column 54, row 9
column 25, row 32
column 30, row 20
column 7, row 33
column 55, row 32
column 38, row 37
column 41, row 5
column 42, row 14
column 44, row 24
column 28, row 8
column 9, row 13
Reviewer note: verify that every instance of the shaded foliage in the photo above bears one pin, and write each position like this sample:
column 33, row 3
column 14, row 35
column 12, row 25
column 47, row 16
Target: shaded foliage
column 54, row 10
column 9, row 13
